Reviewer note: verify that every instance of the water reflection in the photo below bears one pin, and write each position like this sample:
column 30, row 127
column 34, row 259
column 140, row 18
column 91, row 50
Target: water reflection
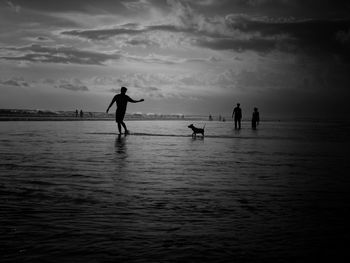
column 120, row 144
column 121, row 154
column 195, row 138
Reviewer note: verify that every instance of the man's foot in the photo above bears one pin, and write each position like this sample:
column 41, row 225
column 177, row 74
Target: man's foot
column 127, row 132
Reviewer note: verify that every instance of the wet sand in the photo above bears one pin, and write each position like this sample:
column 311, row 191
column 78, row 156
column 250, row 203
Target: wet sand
column 77, row 192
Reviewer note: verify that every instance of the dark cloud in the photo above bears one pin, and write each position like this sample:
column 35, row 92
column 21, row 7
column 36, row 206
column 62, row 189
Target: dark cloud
column 43, row 39
column 88, row 6
column 276, row 8
column 241, row 32
column 69, row 55
column 256, row 44
column 72, row 87
column 45, row 54
column 202, row 38
column 127, row 29
column 297, row 8
column 141, row 42
column 101, row 34
column 167, row 28
column 312, row 36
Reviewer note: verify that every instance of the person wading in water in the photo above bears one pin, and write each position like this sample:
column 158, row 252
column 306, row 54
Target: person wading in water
column 121, row 100
column 237, row 113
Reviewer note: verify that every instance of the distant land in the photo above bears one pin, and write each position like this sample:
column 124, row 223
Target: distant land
column 50, row 115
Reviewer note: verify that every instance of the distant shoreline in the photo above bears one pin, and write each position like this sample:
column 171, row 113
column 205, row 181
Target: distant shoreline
column 63, row 118
column 50, row 115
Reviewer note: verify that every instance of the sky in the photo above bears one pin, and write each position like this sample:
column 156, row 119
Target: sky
column 288, row 58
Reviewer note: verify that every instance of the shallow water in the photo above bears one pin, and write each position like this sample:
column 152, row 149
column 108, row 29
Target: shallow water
column 77, row 192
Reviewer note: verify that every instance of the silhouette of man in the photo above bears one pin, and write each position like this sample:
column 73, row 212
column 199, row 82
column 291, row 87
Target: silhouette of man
column 121, row 100
column 255, row 118
column 237, row 113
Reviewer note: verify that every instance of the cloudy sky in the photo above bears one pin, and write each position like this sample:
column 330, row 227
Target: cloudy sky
column 288, row 58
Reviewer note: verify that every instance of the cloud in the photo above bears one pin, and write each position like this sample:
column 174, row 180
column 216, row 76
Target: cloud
column 82, row 6
column 149, row 85
column 206, row 2
column 59, row 54
column 143, row 42
column 15, row 8
column 136, row 5
column 154, row 58
column 233, row 32
column 256, row 44
column 69, row 55
column 73, row 85
column 154, row 85
column 14, row 82
column 312, row 36
column 101, row 34
column 43, row 39
column 129, row 29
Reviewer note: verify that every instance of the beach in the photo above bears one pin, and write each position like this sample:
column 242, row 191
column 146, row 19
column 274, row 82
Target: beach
column 78, row 192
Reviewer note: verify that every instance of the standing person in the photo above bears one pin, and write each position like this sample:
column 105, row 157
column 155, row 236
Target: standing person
column 81, row 114
column 76, row 113
column 121, row 100
column 255, row 118
column 237, row 113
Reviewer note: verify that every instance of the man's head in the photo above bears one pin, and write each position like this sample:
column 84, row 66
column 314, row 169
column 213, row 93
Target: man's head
column 123, row 90
column 238, row 104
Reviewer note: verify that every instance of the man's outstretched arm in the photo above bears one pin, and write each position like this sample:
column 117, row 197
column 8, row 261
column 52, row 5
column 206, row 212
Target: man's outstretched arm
column 110, row 105
column 134, row 101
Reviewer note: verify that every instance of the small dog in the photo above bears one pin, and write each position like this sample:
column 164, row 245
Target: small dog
column 196, row 130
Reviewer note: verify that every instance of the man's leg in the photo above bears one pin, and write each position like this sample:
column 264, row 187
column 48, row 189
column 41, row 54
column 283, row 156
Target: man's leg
column 239, row 124
column 235, row 123
column 124, row 126
column 119, row 127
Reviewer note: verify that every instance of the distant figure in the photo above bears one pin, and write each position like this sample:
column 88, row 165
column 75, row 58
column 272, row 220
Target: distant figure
column 219, row 117
column 255, row 118
column 76, row 113
column 237, row 114
column 81, row 114
column 210, row 117
column 121, row 100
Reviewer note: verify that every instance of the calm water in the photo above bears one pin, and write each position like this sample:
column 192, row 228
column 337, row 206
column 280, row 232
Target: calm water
column 76, row 192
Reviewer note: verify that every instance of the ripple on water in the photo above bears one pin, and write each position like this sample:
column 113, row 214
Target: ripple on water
column 78, row 192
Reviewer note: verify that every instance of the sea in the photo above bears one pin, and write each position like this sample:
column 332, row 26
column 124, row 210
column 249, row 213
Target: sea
column 76, row 191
